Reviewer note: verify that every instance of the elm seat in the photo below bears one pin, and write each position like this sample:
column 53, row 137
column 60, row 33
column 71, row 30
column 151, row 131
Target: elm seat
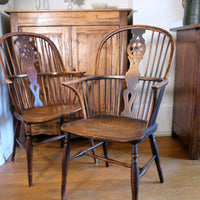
column 48, row 113
column 122, row 107
column 110, row 128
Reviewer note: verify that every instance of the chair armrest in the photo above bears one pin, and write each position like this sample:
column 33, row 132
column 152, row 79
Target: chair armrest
column 77, row 73
column 74, row 73
column 89, row 78
column 80, row 80
column 160, row 82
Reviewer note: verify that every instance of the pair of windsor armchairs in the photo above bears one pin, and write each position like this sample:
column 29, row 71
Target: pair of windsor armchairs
column 116, row 106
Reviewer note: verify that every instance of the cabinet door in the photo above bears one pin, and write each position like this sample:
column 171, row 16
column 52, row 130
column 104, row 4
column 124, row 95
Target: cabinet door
column 61, row 38
column 85, row 41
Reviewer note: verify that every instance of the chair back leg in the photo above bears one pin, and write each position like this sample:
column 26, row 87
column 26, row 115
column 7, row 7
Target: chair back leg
column 29, row 153
column 134, row 172
column 94, row 152
column 105, row 150
column 157, row 158
column 62, row 121
column 65, row 165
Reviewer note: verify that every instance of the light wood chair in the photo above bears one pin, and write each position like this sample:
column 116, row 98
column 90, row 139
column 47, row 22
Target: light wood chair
column 33, row 72
column 123, row 108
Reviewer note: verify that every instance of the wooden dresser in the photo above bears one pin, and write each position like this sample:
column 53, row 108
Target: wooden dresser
column 76, row 33
column 186, row 113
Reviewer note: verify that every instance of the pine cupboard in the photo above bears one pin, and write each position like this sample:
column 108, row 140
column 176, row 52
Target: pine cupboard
column 76, row 33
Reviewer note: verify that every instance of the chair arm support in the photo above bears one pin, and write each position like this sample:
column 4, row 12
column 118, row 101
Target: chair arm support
column 12, row 94
column 79, row 97
column 158, row 91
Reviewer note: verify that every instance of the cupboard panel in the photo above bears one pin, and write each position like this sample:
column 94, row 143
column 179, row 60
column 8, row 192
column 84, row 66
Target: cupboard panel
column 87, row 38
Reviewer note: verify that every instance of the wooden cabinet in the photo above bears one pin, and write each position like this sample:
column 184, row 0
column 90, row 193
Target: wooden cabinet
column 186, row 113
column 76, row 33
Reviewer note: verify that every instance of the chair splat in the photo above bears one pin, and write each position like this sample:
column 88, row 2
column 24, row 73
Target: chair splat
column 28, row 58
column 135, row 50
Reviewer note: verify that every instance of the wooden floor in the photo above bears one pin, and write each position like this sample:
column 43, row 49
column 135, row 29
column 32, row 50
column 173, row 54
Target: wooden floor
column 87, row 181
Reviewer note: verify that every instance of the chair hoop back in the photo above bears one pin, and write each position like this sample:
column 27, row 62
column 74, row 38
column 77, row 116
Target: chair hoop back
column 159, row 51
column 32, row 63
column 147, row 55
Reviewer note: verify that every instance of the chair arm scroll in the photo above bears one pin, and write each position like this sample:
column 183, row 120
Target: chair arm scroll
column 160, row 85
column 8, row 81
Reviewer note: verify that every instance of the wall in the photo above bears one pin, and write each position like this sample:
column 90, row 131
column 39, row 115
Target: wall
column 60, row 4
column 162, row 13
column 6, row 121
column 165, row 14
column 9, row 6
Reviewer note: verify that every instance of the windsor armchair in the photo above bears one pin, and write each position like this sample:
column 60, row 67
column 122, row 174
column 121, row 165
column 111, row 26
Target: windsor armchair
column 33, row 72
column 123, row 108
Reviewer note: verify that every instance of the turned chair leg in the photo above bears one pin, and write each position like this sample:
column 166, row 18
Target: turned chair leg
column 154, row 149
column 134, row 172
column 65, row 165
column 17, row 133
column 29, row 153
column 105, row 150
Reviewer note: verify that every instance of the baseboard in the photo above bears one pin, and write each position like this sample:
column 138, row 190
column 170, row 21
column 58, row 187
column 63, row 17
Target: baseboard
column 6, row 154
column 163, row 133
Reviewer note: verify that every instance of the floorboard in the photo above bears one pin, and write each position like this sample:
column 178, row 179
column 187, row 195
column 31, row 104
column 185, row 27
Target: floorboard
column 87, row 181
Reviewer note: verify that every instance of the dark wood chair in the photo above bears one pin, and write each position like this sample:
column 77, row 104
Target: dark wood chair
column 34, row 71
column 123, row 108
